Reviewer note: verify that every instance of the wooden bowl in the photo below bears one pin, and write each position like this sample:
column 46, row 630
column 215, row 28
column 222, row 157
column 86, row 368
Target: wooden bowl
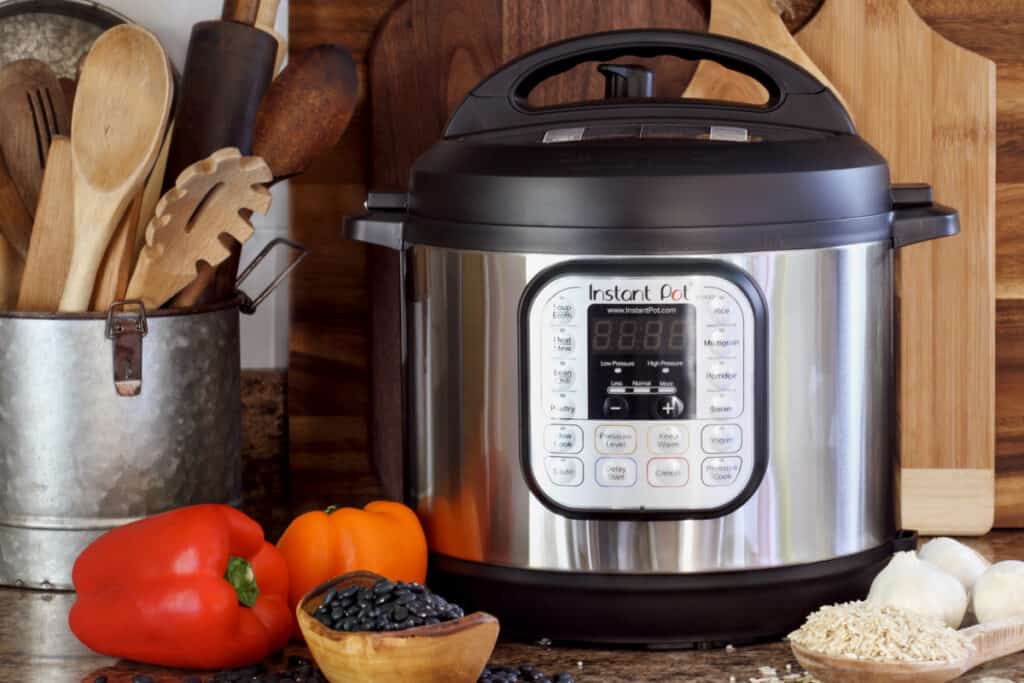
column 449, row 652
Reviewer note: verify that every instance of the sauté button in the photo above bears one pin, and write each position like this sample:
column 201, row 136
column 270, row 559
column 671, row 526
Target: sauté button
column 563, row 344
column 722, row 374
column 561, row 406
column 616, row 472
column 563, row 376
column 564, row 471
column 667, row 440
column 721, row 439
column 668, row 408
column 667, row 472
column 722, row 342
column 616, row 439
column 563, row 439
column 724, row 404
column 561, row 312
column 723, row 309
column 720, row 471
column 616, row 407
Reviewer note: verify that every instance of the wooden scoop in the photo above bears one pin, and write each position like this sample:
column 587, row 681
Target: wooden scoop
column 121, row 111
column 991, row 641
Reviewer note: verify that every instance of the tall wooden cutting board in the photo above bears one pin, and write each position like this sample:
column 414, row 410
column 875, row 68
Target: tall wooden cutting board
column 426, row 57
column 929, row 106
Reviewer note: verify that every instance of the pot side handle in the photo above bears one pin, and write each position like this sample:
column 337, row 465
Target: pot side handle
column 917, row 218
column 383, row 225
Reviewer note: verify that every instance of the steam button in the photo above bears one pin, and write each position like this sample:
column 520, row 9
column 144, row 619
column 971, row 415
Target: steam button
column 724, row 404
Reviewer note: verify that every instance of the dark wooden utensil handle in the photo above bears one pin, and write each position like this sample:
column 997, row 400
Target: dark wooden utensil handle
column 241, row 11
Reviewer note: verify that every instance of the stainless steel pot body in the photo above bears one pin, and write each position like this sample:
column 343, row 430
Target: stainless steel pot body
column 828, row 488
column 77, row 458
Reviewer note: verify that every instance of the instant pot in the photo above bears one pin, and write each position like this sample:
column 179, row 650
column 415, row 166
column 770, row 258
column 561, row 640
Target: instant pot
column 648, row 349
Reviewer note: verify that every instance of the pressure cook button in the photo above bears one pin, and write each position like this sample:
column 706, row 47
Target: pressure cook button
column 668, row 440
column 722, row 374
column 721, row 439
column 563, row 344
column 668, row 408
column 562, row 407
column 616, row 407
column 721, row 471
column 723, row 309
column 616, row 472
column 723, row 405
column 667, row 472
column 616, row 439
column 563, row 439
column 563, row 376
column 561, row 312
column 722, row 342
column 564, row 471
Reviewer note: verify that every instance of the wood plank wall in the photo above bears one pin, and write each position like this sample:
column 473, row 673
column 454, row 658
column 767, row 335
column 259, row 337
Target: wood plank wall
column 329, row 393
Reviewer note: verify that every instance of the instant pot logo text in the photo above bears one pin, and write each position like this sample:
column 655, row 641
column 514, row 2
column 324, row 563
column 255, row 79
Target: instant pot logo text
column 645, row 293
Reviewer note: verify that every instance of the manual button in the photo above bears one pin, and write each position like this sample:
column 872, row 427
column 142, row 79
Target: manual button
column 668, row 440
column 563, row 439
column 616, row 439
column 564, row 471
column 616, row 472
column 721, row 471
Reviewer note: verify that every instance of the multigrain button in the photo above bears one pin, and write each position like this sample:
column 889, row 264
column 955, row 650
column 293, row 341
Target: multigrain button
column 722, row 342
column 721, row 439
column 561, row 312
column 667, row 440
column 616, row 472
column 561, row 407
column 722, row 374
column 563, row 376
column 615, row 439
column 724, row 404
column 720, row 471
column 663, row 472
column 564, row 471
column 563, row 344
column 563, row 439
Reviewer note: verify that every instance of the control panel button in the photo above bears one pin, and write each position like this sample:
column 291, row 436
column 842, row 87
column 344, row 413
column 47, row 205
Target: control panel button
column 562, row 407
column 721, row 439
column 723, row 309
column 668, row 440
column 722, row 342
column 616, row 472
column 563, row 439
column 616, row 407
column 561, row 312
column 667, row 472
column 721, row 471
column 563, row 376
column 616, row 439
column 668, row 408
column 723, row 405
column 563, row 344
column 722, row 374
column 564, row 471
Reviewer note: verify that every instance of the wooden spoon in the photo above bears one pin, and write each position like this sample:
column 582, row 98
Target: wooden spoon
column 15, row 221
column 991, row 641
column 449, row 652
column 121, row 111
column 266, row 21
column 758, row 22
column 302, row 116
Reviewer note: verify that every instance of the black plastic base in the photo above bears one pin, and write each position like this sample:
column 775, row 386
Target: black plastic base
column 663, row 611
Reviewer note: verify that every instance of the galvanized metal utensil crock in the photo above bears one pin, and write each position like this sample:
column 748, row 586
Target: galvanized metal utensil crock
column 108, row 418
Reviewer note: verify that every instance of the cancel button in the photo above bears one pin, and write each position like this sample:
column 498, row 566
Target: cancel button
column 720, row 471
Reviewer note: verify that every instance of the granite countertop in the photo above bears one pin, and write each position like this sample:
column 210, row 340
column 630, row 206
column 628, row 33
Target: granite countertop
column 37, row 647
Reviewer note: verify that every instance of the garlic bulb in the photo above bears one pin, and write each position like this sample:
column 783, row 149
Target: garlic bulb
column 953, row 557
column 910, row 583
column 999, row 592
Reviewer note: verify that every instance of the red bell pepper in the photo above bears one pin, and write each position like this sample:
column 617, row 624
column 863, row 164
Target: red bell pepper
column 196, row 588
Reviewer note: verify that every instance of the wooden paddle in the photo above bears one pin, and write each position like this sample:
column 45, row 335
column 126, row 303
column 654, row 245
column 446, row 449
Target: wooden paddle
column 121, row 111
column 15, row 221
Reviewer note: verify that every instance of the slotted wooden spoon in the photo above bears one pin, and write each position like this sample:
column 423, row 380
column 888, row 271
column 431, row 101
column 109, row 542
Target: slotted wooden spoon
column 121, row 111
column 991, row 641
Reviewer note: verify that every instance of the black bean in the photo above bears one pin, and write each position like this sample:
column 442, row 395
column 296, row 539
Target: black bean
column 330, row 595
column 565, row 678
column 142, row 678
column 383, row 586
column 400, row 614
column 405, row 598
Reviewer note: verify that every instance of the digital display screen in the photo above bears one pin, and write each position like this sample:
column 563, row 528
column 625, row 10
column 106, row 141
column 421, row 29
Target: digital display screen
column 638, row 330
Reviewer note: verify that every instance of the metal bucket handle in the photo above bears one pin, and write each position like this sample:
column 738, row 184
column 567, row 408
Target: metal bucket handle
column 249, row 305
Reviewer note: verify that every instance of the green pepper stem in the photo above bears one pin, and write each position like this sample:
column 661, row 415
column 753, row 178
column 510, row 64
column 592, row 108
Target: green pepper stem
column 241, row 576
column 330, row 509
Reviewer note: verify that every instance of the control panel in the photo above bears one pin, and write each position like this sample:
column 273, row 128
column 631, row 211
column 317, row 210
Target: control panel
column 644, row 389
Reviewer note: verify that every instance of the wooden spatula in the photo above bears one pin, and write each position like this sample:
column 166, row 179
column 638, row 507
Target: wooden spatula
column 121, row 111
column 991, row 641
column 49, row 253
column 207, row 202
column 32, row 112
column 15, row 221
column 758, row 22
column 266, row 21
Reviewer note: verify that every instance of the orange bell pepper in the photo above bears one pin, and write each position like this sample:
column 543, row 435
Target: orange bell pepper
column 384, row 537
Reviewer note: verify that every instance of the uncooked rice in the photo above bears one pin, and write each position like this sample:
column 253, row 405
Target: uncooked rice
column 882, row 634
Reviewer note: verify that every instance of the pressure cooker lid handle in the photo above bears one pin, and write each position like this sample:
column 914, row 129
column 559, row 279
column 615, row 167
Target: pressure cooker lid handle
column 795, row 97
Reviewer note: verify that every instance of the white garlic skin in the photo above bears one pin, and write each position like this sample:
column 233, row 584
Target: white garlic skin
column 953, row 557
column 999, row 592
column 912, row 584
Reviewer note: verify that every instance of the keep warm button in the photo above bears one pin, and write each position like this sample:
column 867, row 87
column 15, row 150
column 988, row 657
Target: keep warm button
column 616, row 472
column 720, row 471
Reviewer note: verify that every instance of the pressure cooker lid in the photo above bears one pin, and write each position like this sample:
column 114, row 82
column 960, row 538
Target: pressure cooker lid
column 636, row 174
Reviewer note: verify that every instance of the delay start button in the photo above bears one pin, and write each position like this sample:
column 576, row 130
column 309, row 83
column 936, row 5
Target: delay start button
column 616, row 472
column 721, row 471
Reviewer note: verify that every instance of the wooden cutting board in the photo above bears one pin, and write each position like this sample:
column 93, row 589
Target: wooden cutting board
column 427, row 55
column 929, row 106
